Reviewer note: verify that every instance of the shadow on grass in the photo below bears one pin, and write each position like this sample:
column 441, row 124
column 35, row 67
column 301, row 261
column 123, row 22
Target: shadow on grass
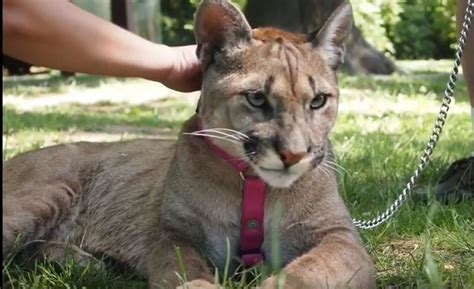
column 14, row 121
column 48, row 274
column 32, row 85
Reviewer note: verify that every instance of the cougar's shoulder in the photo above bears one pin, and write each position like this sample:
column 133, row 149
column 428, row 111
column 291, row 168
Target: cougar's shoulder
column 72, row 160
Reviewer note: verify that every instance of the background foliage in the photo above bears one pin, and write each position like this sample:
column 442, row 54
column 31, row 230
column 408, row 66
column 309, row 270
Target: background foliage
column 178, row 20
column 404, row 29
column 409, row 29
column 426, row 29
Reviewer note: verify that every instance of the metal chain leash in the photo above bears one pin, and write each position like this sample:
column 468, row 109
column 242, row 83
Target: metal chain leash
column 438, row 127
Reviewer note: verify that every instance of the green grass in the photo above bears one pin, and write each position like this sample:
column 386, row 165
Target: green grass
column 53, row 82
column 383, row 125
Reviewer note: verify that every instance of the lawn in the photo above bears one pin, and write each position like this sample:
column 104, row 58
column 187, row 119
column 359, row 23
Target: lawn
column 384, row 123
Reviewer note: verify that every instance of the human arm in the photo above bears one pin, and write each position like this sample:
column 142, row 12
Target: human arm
column 57, row 34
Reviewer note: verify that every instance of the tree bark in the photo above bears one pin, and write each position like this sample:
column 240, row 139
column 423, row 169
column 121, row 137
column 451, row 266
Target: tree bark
column 306, row 16
column 15, row 66
column 122, row 14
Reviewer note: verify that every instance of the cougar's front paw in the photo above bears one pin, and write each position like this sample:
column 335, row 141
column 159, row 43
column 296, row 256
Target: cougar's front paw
column 198, row 284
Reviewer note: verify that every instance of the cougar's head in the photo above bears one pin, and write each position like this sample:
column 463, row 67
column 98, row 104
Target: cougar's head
column 277, row 88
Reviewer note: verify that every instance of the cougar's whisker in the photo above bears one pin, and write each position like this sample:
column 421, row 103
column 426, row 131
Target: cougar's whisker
column 329, row 166
column 338, row 165
column 239, row 159
column 218, row 132
column 323, row 170
column 198, row 133
column 212, row 136
column 338, row 169
column 234, row 131
column 244, row 156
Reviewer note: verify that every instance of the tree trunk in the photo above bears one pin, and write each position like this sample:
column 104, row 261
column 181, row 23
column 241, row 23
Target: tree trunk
column 122, row 14
column 150, row 19
column 306, row 16
column 15, row 66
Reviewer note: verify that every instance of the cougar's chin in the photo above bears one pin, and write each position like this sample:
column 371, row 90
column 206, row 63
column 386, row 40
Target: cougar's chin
column 275, row 174
column 277, row 178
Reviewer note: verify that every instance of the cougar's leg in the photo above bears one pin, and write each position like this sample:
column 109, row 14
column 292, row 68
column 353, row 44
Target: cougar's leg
column 61, row 252
column 32, row 210
column 163, row 265
column 338, row 261
column 39, row 189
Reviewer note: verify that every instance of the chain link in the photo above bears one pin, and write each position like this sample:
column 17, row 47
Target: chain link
column 437, row 129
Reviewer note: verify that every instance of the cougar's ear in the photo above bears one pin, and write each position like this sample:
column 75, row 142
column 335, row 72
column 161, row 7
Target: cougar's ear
column 329, row 40
column 219, row 27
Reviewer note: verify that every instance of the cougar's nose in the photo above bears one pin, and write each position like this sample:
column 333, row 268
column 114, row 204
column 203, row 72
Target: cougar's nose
column 290, row 158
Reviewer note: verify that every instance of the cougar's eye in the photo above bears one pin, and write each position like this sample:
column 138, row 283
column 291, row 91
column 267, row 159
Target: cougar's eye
column 255, row 99
column 319, row 101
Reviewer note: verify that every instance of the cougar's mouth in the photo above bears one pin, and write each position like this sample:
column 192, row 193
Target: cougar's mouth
column 274, row 170
column 270, row 167
column 280, row 178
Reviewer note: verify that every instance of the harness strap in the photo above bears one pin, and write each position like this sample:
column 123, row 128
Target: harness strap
column 253, row 207
column 251, row 221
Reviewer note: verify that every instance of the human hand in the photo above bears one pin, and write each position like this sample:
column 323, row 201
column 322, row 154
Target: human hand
column 181, row 69
column 98, row 48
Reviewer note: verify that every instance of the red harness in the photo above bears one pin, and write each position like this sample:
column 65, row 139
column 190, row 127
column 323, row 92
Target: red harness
column 253, row 207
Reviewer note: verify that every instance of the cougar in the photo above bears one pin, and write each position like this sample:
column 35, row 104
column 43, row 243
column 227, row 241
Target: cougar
column 269, row 99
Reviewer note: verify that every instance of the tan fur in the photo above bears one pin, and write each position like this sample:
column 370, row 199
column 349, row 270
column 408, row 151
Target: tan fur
column 270, row 34
column 136, row 201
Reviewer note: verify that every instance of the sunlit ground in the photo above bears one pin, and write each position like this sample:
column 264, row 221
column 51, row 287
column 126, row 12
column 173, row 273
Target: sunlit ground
column 384, row 123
